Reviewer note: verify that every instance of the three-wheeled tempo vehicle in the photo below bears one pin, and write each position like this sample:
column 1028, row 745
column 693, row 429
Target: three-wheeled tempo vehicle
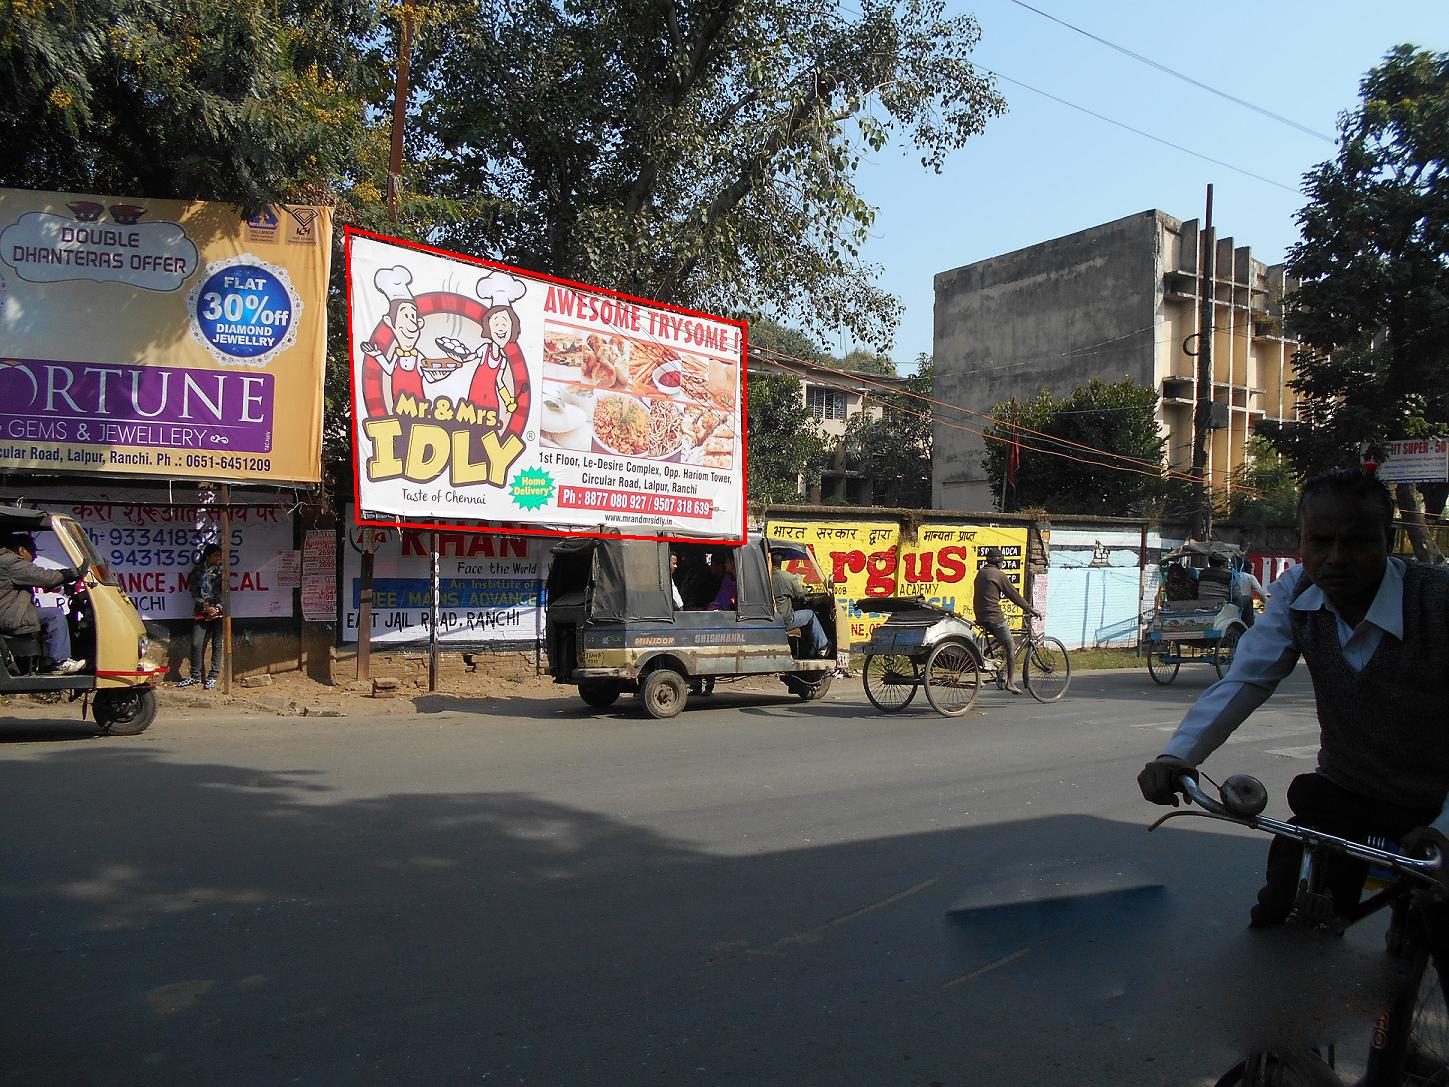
column 1189, row 624
column 105, row 632
column 612, row 625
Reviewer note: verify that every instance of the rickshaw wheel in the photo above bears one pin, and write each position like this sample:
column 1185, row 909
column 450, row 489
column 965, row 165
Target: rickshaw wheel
column 663, row 693
column 883, row 674
column 953, row 678
column 126, row 711
column 1159, row 665
column 600, row 695
column 1227, row 646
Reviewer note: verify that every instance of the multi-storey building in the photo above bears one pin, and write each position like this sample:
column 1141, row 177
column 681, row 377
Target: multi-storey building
column 833, row 398
column 1120, row 299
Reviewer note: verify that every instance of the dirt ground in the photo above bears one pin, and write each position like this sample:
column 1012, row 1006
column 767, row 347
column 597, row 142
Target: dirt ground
column 494, row 676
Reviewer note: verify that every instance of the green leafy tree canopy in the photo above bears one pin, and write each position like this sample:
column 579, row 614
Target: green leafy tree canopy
column 701, row 152
column 895, row 449
column 1119, row 418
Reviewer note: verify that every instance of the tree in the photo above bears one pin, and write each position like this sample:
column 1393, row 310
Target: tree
column 1372, row 305
column 1119, row 418
column 861, row 361
column 786, row 448
column 701, row 152
column 1264, row 487
column 895, row 450
column 241, row 100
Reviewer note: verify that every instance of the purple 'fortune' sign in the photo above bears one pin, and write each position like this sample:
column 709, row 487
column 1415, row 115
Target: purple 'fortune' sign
column 92, row 403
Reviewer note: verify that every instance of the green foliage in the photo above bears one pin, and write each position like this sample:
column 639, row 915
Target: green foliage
column 240, row 100
column 1264, row 488
column 770, row 335
column 895, row 450
column 1118, row 418
column 861, row 361
column 784, row 441
column 701, row 152
column 1372, row 309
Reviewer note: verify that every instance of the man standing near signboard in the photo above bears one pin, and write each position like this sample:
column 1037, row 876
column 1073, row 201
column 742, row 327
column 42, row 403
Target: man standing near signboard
column 206, row 587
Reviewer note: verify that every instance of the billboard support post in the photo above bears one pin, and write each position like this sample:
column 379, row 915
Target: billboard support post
column 225, row 524
column 433, row 612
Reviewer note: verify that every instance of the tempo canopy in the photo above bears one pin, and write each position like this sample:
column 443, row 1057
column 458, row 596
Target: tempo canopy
column 485, row 393
column 162, row 338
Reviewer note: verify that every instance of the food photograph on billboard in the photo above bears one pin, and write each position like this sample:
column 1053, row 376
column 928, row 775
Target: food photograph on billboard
column 487, row 393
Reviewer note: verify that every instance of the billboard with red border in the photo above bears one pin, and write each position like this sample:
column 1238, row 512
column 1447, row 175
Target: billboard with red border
column 482, row 392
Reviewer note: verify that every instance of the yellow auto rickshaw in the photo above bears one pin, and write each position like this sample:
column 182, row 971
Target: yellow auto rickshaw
column 117, row 683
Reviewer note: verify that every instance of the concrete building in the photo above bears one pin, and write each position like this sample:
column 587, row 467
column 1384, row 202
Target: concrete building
column 1115, row 300
column 833, row 399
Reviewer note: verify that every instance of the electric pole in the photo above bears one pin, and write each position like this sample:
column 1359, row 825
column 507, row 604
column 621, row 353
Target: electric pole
column 1202, row 421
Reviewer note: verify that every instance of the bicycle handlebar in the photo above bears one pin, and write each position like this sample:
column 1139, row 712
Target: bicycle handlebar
column 1424, row 868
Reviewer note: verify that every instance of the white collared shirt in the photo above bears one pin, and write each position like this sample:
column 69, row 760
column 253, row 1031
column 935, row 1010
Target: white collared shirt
column 1266, row 655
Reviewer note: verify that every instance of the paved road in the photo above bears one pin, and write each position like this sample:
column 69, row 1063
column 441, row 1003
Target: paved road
column 760, row 892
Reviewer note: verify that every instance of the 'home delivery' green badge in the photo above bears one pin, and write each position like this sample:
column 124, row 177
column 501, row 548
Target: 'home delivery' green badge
column 532, row 489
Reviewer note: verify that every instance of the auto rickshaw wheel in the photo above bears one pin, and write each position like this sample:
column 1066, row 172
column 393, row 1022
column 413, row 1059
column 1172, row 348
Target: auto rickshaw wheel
column 601, row 694
column 125, row 711
column 663, row 693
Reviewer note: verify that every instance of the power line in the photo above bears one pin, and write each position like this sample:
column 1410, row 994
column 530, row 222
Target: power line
column 1137, row 131
column 1179, row 75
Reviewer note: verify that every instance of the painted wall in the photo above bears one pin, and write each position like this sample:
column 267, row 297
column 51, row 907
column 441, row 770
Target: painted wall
column 1095, row 588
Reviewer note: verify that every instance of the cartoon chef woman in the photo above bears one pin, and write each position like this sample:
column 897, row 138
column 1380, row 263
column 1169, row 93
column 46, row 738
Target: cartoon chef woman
column 498, row 291
column 400, row 360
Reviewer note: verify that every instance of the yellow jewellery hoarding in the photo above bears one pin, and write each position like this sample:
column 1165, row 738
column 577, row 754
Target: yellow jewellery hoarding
column 872, row 558
column 164, row 338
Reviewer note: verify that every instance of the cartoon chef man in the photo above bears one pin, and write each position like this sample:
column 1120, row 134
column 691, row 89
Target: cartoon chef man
column 497, row 291
column 401, row 361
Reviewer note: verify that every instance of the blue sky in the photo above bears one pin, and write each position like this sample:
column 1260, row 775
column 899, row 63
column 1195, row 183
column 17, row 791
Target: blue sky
column 1043, row 170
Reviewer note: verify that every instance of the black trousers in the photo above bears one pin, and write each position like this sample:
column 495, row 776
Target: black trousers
column 1319, row 803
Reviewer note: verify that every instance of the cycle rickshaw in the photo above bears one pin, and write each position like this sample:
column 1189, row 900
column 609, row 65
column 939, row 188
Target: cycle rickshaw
column 1191, row 624
column 925, row 646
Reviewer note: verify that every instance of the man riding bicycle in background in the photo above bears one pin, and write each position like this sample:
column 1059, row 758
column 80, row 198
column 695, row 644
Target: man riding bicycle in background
column 992, row 583
column 1374, row 631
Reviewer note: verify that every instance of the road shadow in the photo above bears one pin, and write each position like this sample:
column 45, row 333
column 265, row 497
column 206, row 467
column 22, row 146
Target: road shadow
column 173, row 922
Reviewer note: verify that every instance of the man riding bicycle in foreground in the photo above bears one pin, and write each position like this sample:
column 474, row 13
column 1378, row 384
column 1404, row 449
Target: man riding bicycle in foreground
column 1374, row 631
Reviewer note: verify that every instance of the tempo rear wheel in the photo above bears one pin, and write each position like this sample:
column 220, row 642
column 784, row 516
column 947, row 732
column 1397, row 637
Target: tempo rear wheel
column 953, row 679
column 890, row 681
column 600, row 694
column 1047, row 670
column 663, row 693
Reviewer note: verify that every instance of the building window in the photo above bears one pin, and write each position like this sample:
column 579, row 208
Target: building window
column 825, row 403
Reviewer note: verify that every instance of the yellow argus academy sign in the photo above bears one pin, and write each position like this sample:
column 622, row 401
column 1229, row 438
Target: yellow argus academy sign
column 871, row 559
column 165, row 338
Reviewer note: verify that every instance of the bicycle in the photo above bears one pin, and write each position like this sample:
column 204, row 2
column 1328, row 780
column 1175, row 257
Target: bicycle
column 1410, row 1045
column 1046, row 666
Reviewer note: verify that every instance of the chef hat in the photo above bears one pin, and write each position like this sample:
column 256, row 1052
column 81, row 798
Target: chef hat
column 500, row 289
column 395, row 284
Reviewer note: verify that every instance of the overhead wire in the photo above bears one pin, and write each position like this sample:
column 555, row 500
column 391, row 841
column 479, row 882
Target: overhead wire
column 1177, row 74
column 1140, row 132
column 1148, row 469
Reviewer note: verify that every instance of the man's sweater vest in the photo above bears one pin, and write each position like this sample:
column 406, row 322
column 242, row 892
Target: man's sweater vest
column 1384, row 731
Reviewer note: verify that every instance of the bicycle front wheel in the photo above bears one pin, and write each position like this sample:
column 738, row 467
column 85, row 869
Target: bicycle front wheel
column 953, row 678
column 1426, row 1063
column 1280, row 1070
column 1047, row 670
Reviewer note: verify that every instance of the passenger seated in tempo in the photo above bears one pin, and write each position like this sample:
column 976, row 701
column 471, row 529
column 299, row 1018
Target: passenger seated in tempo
column 788, row 588
column 724, row 599
column 19, row 615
